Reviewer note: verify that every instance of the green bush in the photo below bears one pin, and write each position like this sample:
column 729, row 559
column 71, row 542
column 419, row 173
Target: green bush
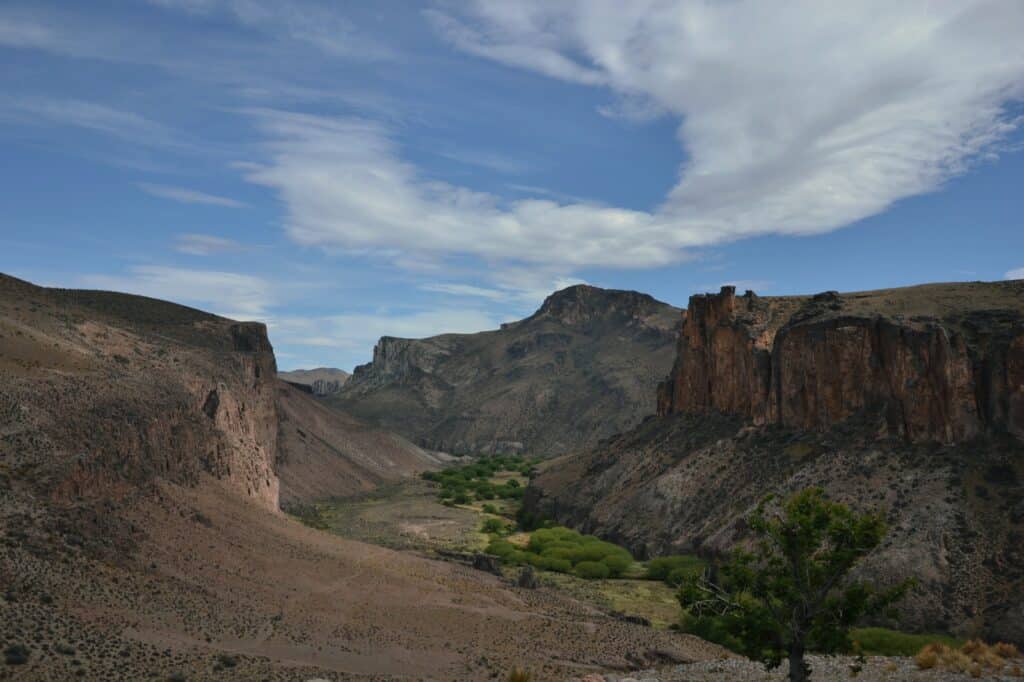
column 617, row 564
column 592, row 570
column 674, row 569
column 885, row 642
column 490, row 509
column 494, row 526
column 461, row 498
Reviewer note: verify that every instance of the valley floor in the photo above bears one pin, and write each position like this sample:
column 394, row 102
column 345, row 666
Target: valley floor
column 222, row 590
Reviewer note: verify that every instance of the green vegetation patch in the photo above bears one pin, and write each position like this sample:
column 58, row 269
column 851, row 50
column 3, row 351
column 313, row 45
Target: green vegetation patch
column 564, row 550
column 674, row 570
column 489, row 478
column 885, row 642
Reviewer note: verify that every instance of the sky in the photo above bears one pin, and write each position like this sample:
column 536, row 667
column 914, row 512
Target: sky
column 347, row 170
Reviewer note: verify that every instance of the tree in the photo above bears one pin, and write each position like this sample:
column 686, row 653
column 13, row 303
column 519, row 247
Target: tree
column 791, row 593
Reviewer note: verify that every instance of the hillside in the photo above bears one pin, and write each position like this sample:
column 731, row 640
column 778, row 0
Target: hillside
column 144, row 447
column 906, row 400
column 581, row 368
column 323, row 452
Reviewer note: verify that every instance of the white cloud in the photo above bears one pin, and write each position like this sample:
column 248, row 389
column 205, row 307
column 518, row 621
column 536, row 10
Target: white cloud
column 187, row 196
column 205, row 245
column 1017, row 273
column 358, row 332
column 796, row 121
column 345, row 185
column 469, row 290
column 229, row 294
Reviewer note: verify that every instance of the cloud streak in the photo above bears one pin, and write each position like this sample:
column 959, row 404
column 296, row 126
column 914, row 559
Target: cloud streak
column 187, row 196
column 229, row 294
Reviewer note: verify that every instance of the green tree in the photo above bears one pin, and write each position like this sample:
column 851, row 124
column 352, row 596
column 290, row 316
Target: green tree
column 792, row 593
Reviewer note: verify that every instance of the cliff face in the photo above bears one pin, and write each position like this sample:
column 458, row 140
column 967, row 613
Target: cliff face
column 583, row 367
column 904, row 401
column 104, row 394
column 811, row 363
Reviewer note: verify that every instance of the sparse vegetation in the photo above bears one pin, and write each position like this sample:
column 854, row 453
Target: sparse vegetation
column 16, row 654
column 791, row 594
column 973, row 657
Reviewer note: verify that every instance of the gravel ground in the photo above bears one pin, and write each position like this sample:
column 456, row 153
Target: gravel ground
column 822, row 667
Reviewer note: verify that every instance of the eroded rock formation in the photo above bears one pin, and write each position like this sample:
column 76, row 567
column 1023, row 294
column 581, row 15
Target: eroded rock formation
column 813, row 362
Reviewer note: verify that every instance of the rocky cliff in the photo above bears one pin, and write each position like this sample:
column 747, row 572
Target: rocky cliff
column 934, row 360
column 104, row 393
column 583, row 367
column 905, row 400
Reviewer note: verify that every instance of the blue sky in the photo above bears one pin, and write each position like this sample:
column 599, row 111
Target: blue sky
column 344, row 171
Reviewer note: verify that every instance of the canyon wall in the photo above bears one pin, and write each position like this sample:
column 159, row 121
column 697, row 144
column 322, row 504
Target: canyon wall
column 103, row 394
column 811, row 362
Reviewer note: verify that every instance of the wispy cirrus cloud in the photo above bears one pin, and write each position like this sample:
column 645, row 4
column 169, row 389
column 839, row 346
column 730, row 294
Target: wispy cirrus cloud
column 187, row 196
column 206, row 245
column 230, row 294
column 99, row 118
column 306, row 22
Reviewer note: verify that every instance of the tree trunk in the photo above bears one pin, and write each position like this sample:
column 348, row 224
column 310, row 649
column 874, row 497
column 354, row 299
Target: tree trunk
column 799, row 671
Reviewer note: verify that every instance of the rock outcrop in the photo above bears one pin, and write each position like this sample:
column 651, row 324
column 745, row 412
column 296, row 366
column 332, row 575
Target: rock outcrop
column 813, row 362
column 583, row 367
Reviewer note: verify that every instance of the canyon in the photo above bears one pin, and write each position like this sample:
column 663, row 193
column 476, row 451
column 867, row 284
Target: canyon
column 146, row 449
column 905, row 400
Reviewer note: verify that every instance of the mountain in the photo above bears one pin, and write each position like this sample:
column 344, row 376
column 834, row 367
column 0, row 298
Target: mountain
column 321, row 381
column 581, row 368
column 910, row 401
column 144, row 450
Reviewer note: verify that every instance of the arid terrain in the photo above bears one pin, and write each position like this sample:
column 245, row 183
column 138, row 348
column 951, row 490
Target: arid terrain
column 141, row 536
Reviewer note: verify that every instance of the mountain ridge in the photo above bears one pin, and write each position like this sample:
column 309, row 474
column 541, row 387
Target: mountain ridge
column 580, row 368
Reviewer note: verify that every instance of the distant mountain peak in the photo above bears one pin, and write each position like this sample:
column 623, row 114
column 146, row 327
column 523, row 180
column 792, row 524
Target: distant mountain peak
column 582, row 302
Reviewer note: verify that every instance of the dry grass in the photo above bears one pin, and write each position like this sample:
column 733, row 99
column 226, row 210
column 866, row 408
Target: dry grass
column 974, row 658
column 519, row 675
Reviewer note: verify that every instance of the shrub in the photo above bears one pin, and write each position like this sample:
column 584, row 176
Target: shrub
column 490, row 509
column 494, row 526
column 519, row 675
column 592, row 570
column 617, row 564
column 461, row 498
column 672, row 569
column 16, row 654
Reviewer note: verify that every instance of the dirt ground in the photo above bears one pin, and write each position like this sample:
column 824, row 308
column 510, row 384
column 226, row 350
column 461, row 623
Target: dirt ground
column 222, row 589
